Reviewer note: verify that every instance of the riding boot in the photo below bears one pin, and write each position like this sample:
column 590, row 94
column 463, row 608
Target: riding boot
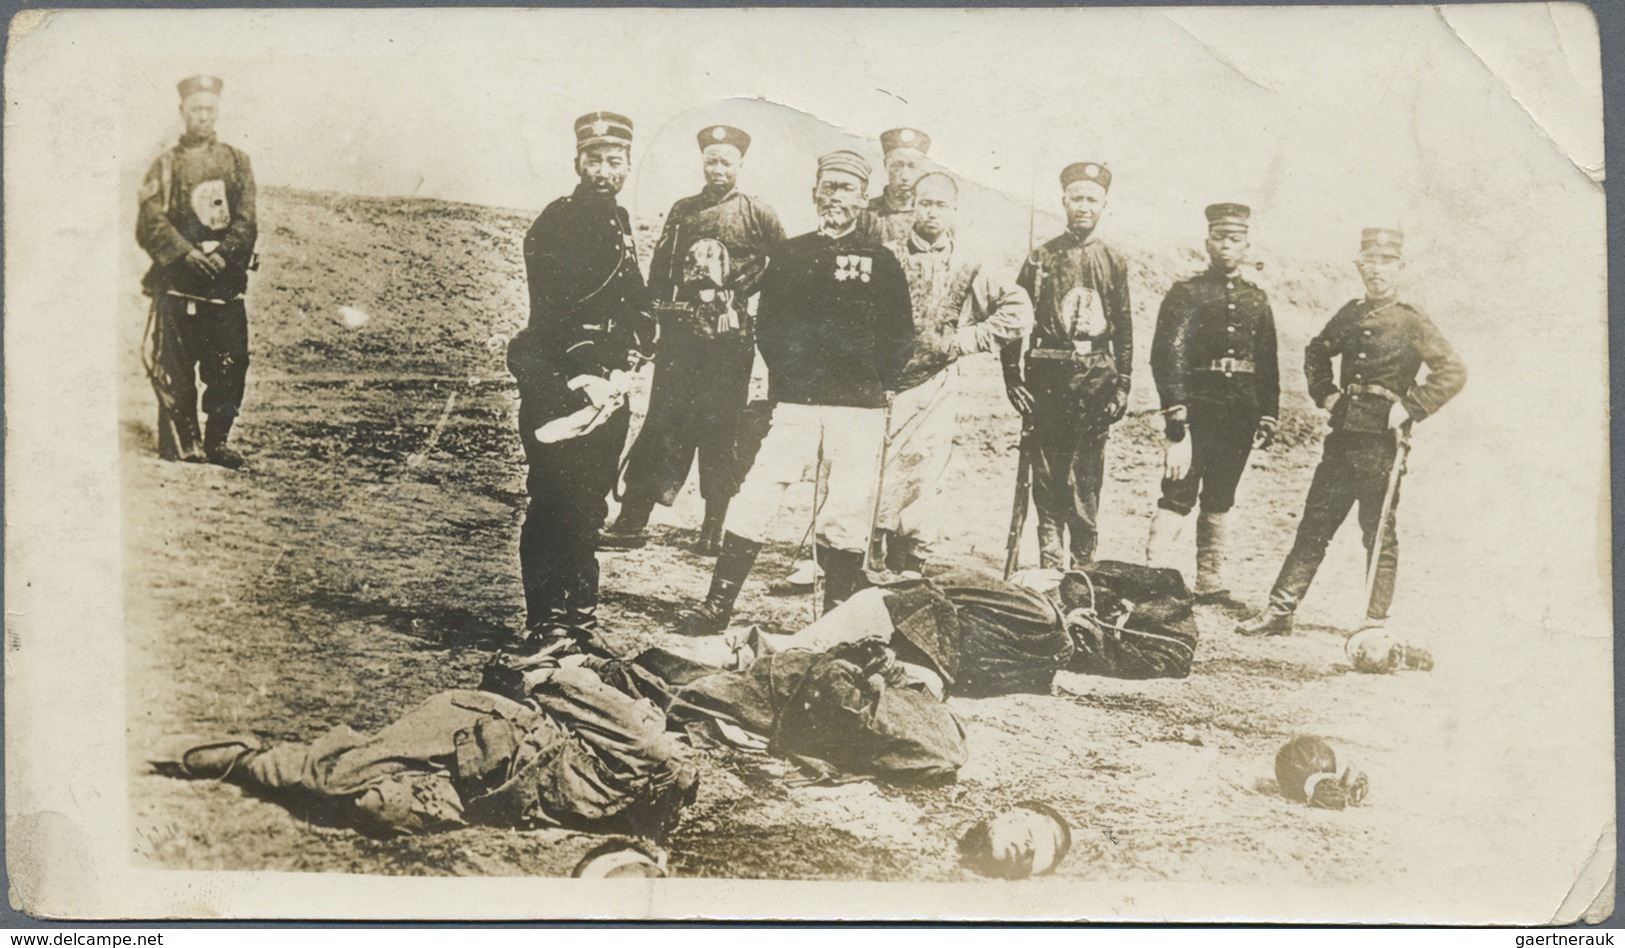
column 713, row 613
column 215, row 434
column 1210, row 538
column 843, row 574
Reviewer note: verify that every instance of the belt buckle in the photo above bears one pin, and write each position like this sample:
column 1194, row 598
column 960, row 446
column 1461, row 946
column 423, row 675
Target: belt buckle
column 1083, row 346
column 1227, row 365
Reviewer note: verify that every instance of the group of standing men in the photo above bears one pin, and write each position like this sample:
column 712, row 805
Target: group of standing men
column 860, row 324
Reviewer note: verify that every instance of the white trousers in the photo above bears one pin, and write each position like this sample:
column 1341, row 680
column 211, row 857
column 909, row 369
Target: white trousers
column 923, row 420
column 850, row 438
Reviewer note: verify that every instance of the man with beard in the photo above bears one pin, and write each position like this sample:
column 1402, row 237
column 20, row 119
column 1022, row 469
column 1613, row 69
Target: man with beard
column 960, row 308
column 1075, row 382
column 706, row 269
column 1383, row 343
column 834, row 327
column 573, row 363
column 197, row 222
column 1213, row 358
column 890, row 216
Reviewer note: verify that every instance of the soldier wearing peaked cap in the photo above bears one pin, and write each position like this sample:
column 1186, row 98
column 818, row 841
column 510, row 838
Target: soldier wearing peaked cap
column 588, row 328
column 1375, row 399
column 1072, row 383
column 197, row 222
column 1214, row 361
column 703, row 279
column 890, row 216
column 835, row 328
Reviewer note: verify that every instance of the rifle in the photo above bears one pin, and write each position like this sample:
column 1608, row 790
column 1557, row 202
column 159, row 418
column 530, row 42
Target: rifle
column 1018, row 513
column 1402, row 449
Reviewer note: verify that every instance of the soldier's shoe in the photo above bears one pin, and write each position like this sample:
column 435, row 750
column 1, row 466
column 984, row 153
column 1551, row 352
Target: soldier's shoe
column 704, row 618
column 799, row 581
column 222, row 456
column 220, row 760
column 616, row 537
column 1418, row 658
column 1268, row 622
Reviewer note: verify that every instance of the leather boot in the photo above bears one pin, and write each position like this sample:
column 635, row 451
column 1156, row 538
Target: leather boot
column 716, row 610
column 214, row 442
column 843, row 575
column 903, row 557
column 1167, row 526
column 1210, row 538
column 220, row 760
column 627, row 532
column 710, row 542
column 1268, row 622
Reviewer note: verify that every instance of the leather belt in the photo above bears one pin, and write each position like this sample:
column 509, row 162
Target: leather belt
column 1228, row 366
column 1361, row 388
column 1068, row 355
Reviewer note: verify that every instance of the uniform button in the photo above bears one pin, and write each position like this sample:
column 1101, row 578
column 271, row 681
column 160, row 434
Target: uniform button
column 1362, row 355
column 1229, row 329
column 1368, row 332
column 1232, row 352
column 1229, row 306
column 1229, row 284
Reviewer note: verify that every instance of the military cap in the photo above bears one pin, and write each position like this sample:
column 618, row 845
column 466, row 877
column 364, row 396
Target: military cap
column 905, row 138
column 192, row 84
column 848, row 161
column 724, row 135
column 603, row 128
column 1087, row 171
column 1381, row 242
column 1228, row 216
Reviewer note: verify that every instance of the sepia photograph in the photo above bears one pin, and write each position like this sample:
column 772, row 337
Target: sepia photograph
column 846, row 464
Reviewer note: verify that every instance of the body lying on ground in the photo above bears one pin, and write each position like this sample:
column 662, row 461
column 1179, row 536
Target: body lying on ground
column 576, row 753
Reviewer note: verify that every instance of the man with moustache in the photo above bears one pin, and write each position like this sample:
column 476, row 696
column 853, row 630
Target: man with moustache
column 706, row 270
column 1383, row 344
column 1213, row 358
column 960, row 308
column 588, row 326
column 834, row 327
column 197, row 221
column 1074, row 384
column 890, row 217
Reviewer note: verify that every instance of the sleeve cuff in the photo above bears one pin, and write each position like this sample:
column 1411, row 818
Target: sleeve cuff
column 967, row 340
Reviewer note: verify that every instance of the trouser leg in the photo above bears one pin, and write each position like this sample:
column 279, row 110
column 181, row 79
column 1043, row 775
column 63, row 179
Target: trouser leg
column 1370, row 509
column 921, row 437
column 1088, row 472
column 1331, row 494
column 222, row 355
column 852, row 439
column 175, row 368
column 1050, row 492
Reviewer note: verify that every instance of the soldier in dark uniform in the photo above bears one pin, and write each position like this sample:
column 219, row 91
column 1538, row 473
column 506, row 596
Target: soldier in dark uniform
column 1075, row 382
column 705, row 271
column 1383, row 344
column 588, row 320
column 890, row 217
column 1213, row 358
column 835, row 327
column 197, row 222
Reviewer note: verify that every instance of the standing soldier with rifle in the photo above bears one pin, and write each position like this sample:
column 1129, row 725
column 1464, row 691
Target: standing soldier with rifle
column 1383, row 344
column 1213, row 357
column 706, row 269
column 197, row 222
column 573, row 363
column 1075, row 382
column 960, row 308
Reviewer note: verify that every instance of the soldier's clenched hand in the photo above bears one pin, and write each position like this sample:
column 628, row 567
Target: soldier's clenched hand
column 1332, row 400
column 218, row 262
column 1021, row 398
column 1398, row 415
column 204, row 263
column 1117, row 407
column 1265, row 435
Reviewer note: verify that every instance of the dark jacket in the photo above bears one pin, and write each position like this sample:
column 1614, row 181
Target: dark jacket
column 588, row 305
column 1383, row 345
column 1088, row 266
column 834, row 323
column 1205, row 320
column 200, row 190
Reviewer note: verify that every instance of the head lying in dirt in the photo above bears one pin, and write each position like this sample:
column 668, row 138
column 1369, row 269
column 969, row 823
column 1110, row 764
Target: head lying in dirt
column 1028, row 839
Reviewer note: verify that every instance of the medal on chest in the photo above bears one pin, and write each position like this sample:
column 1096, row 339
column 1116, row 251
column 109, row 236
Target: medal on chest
column 853, row 266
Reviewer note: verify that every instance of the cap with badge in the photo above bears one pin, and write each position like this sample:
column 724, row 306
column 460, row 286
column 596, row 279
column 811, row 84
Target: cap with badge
column 1228, row 217
column 897, row 138
column 603, row 128
column 1092, row 171
column 848, row 161
column 192, row 85
column 723, row 135
column 1381, row 242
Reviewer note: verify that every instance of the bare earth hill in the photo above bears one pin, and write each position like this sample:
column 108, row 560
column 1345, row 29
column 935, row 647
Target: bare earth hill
column 352, row 570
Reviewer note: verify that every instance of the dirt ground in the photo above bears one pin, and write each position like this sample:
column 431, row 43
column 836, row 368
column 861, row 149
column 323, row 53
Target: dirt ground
column 351, row 570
